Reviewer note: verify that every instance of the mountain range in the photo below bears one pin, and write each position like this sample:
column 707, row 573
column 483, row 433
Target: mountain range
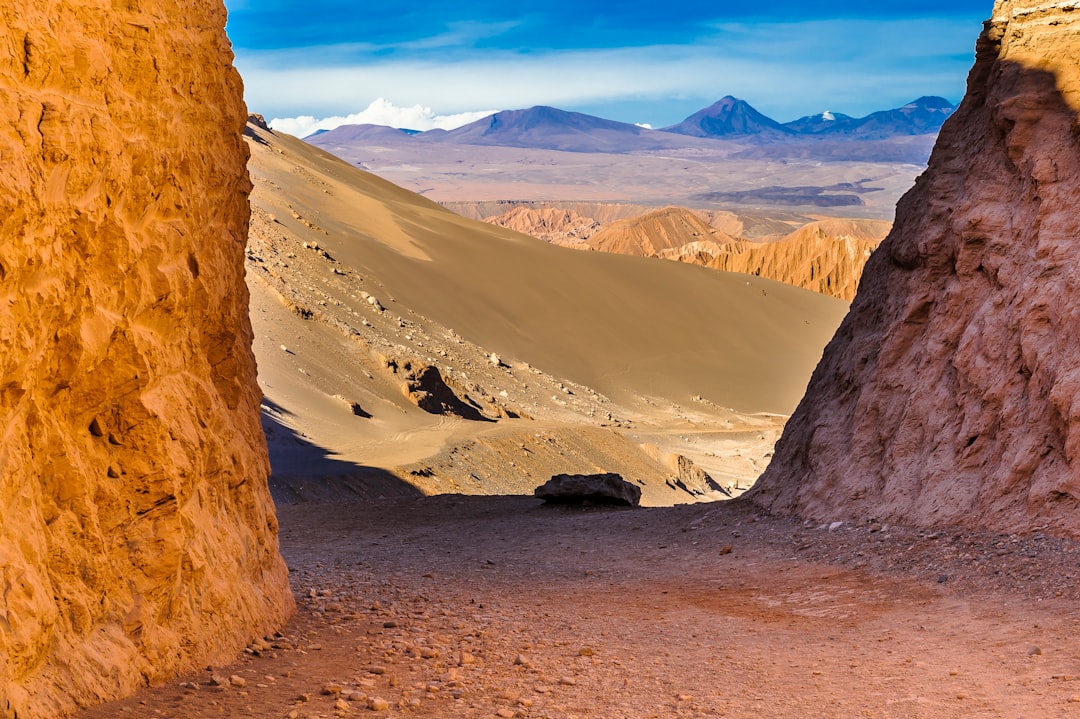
column 730, row 118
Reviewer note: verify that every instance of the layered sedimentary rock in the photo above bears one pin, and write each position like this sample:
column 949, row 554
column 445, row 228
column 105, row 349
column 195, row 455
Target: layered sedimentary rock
column 950, row 395
column 137, row 536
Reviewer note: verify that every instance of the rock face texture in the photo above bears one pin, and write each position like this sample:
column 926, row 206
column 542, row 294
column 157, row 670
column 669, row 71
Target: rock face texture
column 950, row 395
column 137, row 536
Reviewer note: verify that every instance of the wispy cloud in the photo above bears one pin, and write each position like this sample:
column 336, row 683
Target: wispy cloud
column 379, row 112
column 785, row 69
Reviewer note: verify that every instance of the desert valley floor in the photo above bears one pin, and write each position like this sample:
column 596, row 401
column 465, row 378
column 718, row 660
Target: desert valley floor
column 457, row 606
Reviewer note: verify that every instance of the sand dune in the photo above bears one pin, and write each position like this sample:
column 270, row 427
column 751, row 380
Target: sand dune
column 389, row 280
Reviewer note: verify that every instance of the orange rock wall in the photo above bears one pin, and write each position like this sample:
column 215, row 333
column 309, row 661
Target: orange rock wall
column 950, row 395
column 137, row 535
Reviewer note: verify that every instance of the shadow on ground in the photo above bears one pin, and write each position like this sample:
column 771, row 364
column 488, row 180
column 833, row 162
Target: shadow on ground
column 303, row 472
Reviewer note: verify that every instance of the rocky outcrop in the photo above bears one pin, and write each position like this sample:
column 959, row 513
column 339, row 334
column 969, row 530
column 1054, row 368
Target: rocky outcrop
column 950, row 395
column 427, row 389
column 137, row 536
column 605, row 488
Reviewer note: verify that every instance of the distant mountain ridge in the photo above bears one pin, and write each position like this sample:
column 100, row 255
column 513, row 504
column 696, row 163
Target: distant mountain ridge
column 729, row 116
column 549, row 128
column 920, row 117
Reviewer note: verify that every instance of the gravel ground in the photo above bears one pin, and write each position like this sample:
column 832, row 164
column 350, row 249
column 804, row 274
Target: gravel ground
column 458, row 606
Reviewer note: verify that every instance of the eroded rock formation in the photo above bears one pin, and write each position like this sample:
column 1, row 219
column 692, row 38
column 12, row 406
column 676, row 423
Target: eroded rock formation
column 950, row 395
column 655, row 232
column 826, row 256
column 137, row 536
column 552, row 224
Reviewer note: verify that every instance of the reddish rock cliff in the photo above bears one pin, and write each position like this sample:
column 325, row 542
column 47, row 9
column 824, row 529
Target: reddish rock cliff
column 137, row 536
column 951, row 392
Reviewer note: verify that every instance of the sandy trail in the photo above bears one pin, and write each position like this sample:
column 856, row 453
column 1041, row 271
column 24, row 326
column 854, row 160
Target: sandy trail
column 457, row 606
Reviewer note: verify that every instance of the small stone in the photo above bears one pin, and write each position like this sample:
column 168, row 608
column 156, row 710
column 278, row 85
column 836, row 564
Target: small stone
column 467, row 658
column 429, row 653
column 505, row 713
column 568, row 681
column 390, row 624
column 341, row 705
column 1034, row 652
column 1074, row 699
column 726, row 549
column 218, row 680
column 377, row 670
column 586, row 652
column 835, row 526
column 331, row 688
column 238, row 681
column 521, row 661
column 378, row 704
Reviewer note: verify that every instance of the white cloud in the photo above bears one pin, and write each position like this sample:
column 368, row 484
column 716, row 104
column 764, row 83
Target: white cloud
column 379, row 112
column 785, row 70
column 646, row 125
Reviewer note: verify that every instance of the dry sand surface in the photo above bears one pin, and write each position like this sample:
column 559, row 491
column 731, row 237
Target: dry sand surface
column 603, row 363
column 458, row 606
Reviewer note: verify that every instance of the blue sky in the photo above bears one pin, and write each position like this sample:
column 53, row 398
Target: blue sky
column 646, row 62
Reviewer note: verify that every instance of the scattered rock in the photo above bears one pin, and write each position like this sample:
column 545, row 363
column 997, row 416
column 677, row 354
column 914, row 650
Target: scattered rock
column 607, row 488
